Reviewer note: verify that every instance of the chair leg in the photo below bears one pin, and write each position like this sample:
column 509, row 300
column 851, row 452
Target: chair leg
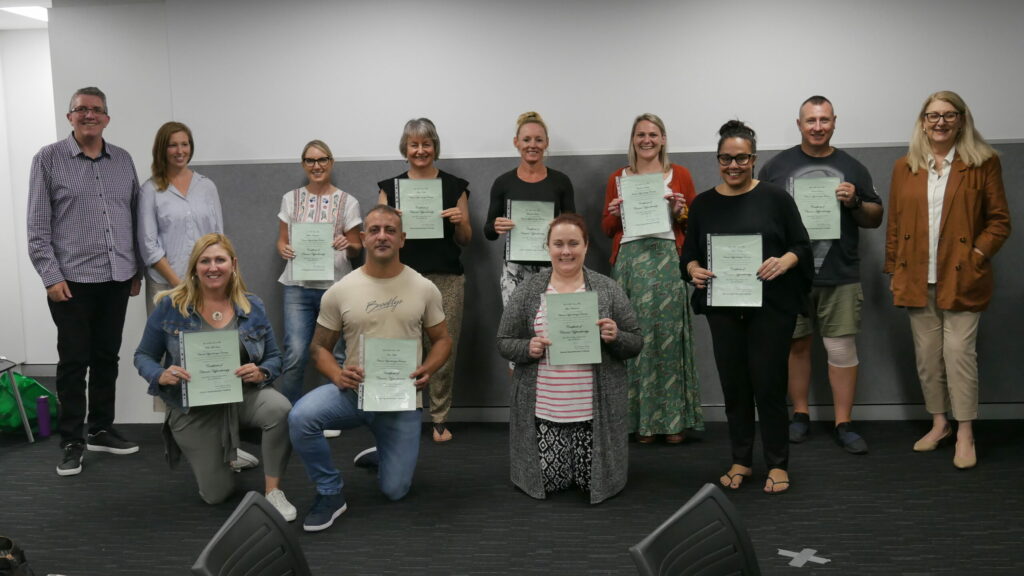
column 21, row 405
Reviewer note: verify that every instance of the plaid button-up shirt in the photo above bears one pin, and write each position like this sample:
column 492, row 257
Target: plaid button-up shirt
column 81, row 214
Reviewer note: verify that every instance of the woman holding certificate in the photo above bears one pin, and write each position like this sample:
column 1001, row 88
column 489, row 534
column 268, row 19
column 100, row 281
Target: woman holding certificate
column 176, row 207
column 202, row 329
column 318, row 237
column 645, row 214
column 523, row 202
column 569, row 332
column 950, row 179
column 435, row 217
column 748, row 255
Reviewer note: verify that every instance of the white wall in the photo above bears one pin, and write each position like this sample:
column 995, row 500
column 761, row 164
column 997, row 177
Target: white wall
column 26, row 110
column 256, row 83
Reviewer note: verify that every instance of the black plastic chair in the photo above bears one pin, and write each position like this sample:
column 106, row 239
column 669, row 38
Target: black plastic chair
column 254, row 541
column 705, row 537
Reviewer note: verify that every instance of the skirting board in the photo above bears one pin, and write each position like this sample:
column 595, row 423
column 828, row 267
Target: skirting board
column 716, row 413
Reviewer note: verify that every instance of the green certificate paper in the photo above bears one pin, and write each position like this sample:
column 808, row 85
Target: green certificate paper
column 526, row 242
column 644, row 208
column 819, row 208
column 421, row 206
column 572, row 329
column 734, row 260
column 211, row 358
column 387, row 363
column 313, row 243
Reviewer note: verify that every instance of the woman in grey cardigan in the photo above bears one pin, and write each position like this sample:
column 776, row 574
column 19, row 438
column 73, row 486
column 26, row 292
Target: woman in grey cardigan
column 568, row 423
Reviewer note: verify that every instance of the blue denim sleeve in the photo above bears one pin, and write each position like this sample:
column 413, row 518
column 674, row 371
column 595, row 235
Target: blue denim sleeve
column 151, row 349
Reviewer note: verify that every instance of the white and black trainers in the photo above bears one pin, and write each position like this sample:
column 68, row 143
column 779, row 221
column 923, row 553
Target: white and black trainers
column 71, row 463
column 111, row 442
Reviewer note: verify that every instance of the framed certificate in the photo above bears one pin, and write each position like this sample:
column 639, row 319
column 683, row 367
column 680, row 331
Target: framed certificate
column 526, row 242
column 211, row 358
column 387, row 364
column 572, row 328
column 421, row 204
column 819, row 209
column 734, row 260
column 644, row 209
column 313, row 244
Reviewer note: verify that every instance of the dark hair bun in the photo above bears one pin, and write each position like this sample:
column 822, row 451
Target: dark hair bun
column 734, row 128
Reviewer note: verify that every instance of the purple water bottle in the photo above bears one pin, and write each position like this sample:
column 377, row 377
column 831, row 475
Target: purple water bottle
column 43, row 415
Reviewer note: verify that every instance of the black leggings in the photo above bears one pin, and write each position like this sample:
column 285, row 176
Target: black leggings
column 752, row 356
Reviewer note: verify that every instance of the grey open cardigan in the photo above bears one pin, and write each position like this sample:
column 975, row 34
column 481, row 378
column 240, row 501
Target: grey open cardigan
column 610, row 448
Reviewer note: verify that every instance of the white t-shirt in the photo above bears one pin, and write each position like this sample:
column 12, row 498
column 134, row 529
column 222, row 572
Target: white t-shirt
column 338, row 207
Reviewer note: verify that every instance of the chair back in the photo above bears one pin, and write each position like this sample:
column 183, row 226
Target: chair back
column 705, row 537
column 254, row 541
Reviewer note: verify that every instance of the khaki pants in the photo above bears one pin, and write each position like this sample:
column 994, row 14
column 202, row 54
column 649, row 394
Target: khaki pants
column 947, row 359
column 453, row 289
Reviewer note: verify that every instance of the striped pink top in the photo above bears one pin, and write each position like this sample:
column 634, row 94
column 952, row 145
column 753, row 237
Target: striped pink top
column 564, row 393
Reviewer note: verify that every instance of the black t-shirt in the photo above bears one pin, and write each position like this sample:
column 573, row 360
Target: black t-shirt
column 766, row 210
column 433, row 255
column 555, row 188
column 836, row 262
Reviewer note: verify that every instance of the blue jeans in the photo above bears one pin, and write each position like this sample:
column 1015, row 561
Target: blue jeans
column 329, row 407
column 301, row 308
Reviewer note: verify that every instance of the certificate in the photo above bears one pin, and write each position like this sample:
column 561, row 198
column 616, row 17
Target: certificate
column 211, row 358
column 526, row 242
column 734, row 260
column 644, row 209
column 573, row 329
column 313, row 244
column 387, row 364
column 421, row 206
column 819, row 208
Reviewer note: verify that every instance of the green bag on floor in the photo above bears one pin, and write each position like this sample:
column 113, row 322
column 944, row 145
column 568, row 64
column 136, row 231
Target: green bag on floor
column 10, row 418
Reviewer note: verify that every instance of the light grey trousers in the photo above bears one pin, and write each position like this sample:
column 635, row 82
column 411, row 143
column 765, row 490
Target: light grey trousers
column 200, row 435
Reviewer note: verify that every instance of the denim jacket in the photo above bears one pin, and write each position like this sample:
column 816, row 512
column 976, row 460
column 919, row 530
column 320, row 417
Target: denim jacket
column 160, row 341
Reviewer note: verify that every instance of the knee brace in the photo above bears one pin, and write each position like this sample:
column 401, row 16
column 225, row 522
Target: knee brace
column 842, row 351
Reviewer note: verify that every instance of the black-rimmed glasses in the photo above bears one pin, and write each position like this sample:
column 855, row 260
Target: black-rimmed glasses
column 933, row 117
column 323, row 162
column 740, row 159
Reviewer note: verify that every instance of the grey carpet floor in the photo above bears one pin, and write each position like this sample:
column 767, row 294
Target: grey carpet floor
column 889, row 512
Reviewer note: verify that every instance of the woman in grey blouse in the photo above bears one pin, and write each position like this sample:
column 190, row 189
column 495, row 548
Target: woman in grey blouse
column 176, row 207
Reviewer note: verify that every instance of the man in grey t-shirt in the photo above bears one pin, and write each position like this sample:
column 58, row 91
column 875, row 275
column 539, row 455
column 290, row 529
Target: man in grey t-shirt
column 836, row 295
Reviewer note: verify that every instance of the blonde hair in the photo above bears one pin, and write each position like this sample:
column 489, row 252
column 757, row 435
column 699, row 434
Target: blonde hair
column 186, row 297
column 160, row 144
column 971, row 147
column 530, row 117
column 662, row 155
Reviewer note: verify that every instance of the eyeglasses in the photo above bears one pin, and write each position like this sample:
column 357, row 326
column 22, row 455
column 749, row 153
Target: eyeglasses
column 83, row 110
column 933, row 117
column 741, row 159
column 323, row 162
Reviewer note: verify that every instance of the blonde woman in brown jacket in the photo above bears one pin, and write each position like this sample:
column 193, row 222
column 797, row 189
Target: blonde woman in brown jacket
column 947, row 218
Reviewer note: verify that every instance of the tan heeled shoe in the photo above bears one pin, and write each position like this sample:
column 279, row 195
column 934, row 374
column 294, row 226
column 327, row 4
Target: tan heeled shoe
column 969, row 460
column 925, row 445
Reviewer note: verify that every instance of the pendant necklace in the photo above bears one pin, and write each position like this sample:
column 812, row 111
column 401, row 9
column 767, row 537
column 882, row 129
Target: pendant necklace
column 217, row 316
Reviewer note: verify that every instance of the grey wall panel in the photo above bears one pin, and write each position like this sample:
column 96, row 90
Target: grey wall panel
column 251, row 194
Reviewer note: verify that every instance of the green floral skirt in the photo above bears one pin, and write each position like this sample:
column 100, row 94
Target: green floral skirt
column 664, row 394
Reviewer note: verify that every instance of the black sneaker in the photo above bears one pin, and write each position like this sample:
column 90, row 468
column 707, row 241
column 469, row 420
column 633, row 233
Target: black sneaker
column 110, row 441
column 71, row 464
column 799, row 427
column 367, row 458
column 849, row 439
column 326, row 507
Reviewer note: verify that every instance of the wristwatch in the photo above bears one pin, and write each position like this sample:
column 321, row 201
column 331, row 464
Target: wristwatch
column 857, row 202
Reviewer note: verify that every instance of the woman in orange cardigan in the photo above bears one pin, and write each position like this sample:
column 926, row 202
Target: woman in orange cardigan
column 947, row 218
column 664, row 395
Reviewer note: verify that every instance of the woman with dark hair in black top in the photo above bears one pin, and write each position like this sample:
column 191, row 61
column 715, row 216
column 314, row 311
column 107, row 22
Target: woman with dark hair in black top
column 438, row 259
column 751, row 344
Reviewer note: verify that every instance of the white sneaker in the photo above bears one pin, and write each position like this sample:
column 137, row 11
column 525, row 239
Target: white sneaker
column 276, row 497
column 244, row 461
column 332, row 433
